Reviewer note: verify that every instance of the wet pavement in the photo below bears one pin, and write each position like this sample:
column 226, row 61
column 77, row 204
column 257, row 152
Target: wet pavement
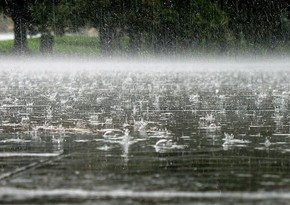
column 143, row 138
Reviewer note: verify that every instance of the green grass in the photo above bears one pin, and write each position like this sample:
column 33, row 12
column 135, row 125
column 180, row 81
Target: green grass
column 6, row 46
column 76, row 45
column 79, row 45
column 63, row 45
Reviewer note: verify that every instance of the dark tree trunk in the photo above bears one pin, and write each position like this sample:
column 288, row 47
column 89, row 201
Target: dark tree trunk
column 106, row 41
column 135, row 43
column 20, row 15
column 46, row 43
column 20, row 34
column 106, row 32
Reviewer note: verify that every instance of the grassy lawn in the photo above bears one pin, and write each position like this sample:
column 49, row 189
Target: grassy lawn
column 6, row 46
column 63, row 45
column 76, row 45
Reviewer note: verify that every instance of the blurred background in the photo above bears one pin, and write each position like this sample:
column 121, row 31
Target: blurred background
column 146, row 27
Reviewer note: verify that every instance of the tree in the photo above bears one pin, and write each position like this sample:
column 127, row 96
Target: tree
column 257, row 23
column 101, row 15
column 159, row 26
column 140, row 23
column 18, row 10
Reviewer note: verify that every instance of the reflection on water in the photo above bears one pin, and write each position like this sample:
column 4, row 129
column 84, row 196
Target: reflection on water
column 143, row 138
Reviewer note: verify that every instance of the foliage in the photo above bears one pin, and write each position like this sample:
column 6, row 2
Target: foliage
column 165, row 26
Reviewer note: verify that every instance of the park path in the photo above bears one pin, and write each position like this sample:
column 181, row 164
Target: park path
column 6, row 36
column 10, row 36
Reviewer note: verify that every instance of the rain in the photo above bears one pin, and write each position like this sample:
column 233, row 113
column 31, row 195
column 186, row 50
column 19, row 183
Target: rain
column 144, row 102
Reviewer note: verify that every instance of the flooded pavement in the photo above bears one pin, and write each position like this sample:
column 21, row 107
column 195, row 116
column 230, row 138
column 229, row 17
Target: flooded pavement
column 183, row 137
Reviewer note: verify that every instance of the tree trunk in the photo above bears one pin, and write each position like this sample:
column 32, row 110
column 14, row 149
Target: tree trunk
column 20, row 34
column 46, row 43
column 106, row 40
column 135, row 42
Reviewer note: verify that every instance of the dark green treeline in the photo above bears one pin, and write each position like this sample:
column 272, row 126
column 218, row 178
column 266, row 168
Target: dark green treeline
column 162, row 26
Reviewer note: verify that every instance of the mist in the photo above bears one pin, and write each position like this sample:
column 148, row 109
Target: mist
column 149, row 64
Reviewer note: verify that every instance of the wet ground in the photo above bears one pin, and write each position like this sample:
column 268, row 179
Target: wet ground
column 143, row 138
column 84, row 169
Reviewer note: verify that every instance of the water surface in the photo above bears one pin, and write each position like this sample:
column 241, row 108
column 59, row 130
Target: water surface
column 153, row 136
